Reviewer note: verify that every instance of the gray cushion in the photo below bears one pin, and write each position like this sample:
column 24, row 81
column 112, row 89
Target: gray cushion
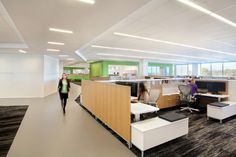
column 172, row 116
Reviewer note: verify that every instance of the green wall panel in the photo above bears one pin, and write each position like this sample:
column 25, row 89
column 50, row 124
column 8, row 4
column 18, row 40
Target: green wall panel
column 100, row 68
column 96, row 69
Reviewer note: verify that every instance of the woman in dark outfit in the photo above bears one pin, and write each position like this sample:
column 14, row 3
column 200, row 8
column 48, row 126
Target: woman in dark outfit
column 64, row 88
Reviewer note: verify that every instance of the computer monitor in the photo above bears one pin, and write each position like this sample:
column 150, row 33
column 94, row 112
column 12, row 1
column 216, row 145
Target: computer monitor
column 133, row 87
column 201, row 84
column 216, row 87
column 212, row 86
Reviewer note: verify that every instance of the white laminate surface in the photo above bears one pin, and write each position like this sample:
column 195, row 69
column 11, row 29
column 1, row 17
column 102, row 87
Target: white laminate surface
column 140, row 108
column 213, row 95
column 150, row 124
column 133, row 98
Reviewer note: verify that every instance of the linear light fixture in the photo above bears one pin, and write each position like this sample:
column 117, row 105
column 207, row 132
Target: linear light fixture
column 118, row 59
column 81, row 55
column 208, row 12
column 55, row 43
column 22, row 51
column 139, row 57
column 63, row 55
column 88, row 1
column 70, row 59
column 172, row 43
column 60, row 30
column 53, row 50
column 151, row 52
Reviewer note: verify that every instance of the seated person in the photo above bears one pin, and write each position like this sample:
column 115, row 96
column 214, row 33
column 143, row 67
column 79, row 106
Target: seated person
column 143, row 95
column 194, row 90
column 194, row 87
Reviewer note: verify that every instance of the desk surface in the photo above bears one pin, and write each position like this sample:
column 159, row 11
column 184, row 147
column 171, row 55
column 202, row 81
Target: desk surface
column 213, row 95
column 140, row 108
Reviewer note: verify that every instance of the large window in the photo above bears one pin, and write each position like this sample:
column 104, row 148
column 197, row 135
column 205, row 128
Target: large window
column 154, row 70
column 181, row 70
column 230, row 69
column 227, row 69
column 205, row 70
column 217, row 69
column 190, row 69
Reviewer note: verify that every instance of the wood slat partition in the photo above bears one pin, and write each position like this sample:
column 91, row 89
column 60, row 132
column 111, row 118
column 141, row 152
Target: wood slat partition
column 110, row 103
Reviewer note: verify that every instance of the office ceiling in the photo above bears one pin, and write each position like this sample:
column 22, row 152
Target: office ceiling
column 25, row 23
column 172, row 21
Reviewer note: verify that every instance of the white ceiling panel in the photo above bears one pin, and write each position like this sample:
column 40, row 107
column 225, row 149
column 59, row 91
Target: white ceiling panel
column 172, row 21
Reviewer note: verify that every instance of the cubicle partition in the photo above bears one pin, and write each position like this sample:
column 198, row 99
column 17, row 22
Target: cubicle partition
column 110, row 103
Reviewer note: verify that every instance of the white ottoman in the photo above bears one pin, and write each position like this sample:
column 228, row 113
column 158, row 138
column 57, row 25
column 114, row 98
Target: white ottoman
column 221, row 113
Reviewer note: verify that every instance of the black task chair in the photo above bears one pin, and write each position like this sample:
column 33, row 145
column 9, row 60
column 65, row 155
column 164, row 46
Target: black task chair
column 186, row 97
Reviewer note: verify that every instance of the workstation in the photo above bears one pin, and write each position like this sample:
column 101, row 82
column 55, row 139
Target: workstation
column 145, row 131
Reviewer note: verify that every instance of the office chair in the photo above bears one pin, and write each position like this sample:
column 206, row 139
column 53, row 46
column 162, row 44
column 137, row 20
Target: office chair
column 186, row 97
column 154, row 95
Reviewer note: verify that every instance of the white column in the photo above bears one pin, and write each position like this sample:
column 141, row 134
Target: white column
column 143, row 67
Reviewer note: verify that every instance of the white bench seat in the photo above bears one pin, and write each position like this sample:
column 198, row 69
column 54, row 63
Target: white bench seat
column 155, row 131
column 221, row 113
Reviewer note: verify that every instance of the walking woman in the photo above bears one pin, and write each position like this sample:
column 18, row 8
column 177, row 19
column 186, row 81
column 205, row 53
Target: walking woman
column 64, row 88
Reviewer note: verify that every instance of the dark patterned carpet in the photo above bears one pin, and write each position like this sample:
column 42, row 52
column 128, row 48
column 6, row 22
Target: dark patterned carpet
column 206, row 138
column 10, row 120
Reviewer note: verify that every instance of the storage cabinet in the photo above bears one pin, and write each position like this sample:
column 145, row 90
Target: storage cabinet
column 166, row 101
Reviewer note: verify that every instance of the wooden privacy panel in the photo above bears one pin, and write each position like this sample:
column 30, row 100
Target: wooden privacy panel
column 110, row 103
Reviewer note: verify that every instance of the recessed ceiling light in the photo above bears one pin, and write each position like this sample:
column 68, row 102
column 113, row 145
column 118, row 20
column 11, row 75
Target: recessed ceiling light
column 53, row 50
column 88, row 1
column 55, row 43
column 172, row 43
column 141, row 57
column 22, row 51
column 152, row 52
column 70, row 59
column 60, row 30
column 63, row 55
column 208, row 12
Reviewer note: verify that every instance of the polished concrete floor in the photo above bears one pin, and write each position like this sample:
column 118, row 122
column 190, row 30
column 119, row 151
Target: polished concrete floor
column 46, row 132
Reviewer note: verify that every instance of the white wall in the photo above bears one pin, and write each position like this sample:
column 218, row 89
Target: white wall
column 232, row 90
column 51, row 75
column 21, row 76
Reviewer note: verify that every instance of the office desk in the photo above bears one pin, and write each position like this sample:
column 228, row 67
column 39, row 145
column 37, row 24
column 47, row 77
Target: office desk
column 140, row 108
column 219, row 97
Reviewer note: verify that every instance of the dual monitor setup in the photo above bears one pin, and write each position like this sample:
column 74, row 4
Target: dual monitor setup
column 214, row 87
column 204, row 86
